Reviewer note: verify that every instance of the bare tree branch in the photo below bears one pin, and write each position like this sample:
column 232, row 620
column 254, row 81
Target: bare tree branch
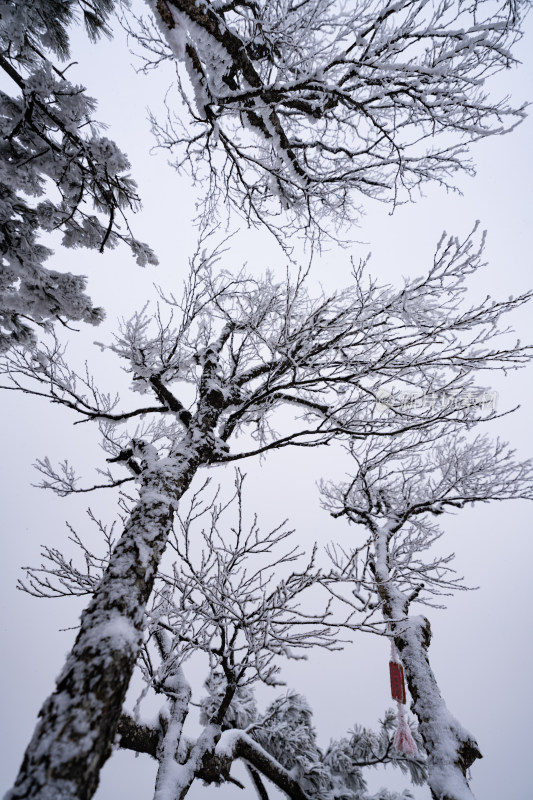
column 395, row 490
column 300, row 107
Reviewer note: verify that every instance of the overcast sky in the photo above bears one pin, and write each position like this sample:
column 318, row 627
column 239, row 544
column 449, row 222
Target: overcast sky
column 482, row 648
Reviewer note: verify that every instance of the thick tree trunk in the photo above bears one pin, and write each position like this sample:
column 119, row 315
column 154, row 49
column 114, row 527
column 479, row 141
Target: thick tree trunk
column 451, row 749
column 78, row 722
column 168, row 759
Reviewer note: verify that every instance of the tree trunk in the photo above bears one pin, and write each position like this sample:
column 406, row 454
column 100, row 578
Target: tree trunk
column 451, row 749
column 78, row 722
column 165, row 780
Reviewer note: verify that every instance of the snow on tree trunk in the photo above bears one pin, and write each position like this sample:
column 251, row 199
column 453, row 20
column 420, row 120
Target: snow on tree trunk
column 78, row 721
column 184, row 774
column 168, row 761
column 451, row 749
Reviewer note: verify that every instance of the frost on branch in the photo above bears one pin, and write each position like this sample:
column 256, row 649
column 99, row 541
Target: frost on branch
column 57, row 172
column 301, row 107
column 240, row 348
column 224, row 358
column 395, row 491
column 287, row 733
column 235, row 595
column 399, row 487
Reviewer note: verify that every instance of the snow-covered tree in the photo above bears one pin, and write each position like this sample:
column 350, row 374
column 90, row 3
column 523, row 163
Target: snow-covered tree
column 233, row 353
column 293, row 107
column 296, row 109
column 58, row 172
column 235, row 595
column 396, row 490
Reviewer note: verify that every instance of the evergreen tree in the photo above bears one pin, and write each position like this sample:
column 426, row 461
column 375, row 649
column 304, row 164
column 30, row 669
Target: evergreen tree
column 58, row 172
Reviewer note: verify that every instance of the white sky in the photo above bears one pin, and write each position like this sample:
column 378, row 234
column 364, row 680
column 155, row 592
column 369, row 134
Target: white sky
column 482, row 647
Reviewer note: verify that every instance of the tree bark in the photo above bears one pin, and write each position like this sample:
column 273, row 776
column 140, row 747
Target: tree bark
column 78, row 722
column 133, row 735
column 171, row 742
column 450, row 748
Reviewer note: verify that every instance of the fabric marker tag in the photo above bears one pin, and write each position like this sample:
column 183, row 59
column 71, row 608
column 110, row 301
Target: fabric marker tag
column 397, row 682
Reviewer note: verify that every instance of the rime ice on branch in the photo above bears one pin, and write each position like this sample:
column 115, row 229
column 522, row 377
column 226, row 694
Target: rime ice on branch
column 57, row 172
column 396, row 489
column 234, row 596
column 239, row 349
column 300, row 107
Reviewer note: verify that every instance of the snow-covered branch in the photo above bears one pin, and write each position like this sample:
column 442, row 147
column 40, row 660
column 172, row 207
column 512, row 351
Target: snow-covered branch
column 49, row 138
column 366, row 360
column 301, row 107
column 395, row 491
column 242, row 349
column 280, row 745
